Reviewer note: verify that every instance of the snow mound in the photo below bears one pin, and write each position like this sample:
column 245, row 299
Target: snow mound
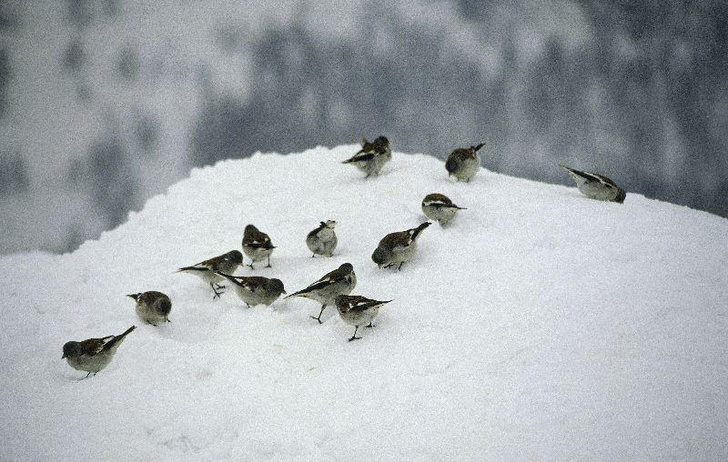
column 539, row 325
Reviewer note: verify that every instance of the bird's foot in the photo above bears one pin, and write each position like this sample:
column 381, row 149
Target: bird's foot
column 317, row 319
column 354, row 338
column 370, row 325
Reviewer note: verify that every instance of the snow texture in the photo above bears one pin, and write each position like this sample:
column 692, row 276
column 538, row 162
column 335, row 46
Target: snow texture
column 539, row 325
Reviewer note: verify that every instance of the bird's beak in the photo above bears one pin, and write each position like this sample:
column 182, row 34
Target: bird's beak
column 64, row 356
column 131, row 296
column 285, row 292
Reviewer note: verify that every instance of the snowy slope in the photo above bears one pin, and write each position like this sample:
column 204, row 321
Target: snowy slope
column 539, row 325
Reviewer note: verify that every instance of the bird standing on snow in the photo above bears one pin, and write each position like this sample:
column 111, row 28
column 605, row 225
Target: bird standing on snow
column 94, row 354
column 257, row 245
column 322, row 240
column 256, row 290
column 596, row 186
column 397, row 248
column 464, row 163
column 152, row 307
column 226, row 263
column 358, row 311
column 340, row 281
column 440, row 208
column 372, row 156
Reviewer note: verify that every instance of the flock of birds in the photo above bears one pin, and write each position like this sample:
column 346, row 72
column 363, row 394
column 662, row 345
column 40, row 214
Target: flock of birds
column 333, row 288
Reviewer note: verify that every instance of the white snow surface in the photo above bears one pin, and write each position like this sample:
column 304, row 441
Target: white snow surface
column 540, row 325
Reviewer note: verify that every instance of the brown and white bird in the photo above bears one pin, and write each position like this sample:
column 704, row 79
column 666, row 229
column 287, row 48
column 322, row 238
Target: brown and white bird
column 340, row 281
column 596, row 186
column 372, row 156
column 152, row 307
column 440, row 208
column 257, row 245
column 256, row 290
column 322, row 240
column 464, row 163
column 358, row 311
column 94, row 354
column 398, row 248
column 226, row 263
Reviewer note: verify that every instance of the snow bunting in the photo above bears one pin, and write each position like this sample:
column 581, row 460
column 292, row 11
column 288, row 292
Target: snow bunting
column 439, row 207
column 372, row 156
column 322, row 240
column 464, row 163
column 152, row 307
column 256, row 290
column 358, row 311
column 397, row 248
column 257, row 245
column 340, row 281
column 226, row 263
column 596, row 186
column 94, row 354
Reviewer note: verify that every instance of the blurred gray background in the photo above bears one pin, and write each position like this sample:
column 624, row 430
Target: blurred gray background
column 105, row 103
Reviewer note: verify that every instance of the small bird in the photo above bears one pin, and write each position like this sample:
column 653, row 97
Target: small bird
column 464, row 163
column 340, row 281
column 226, row 263
column 257, row 245
column 372, row 156
column 440, row 208
column 358, row 311
column 94, row 354
column 256, row 290
column 397, row 247
column 596, row 186
column 322, row 240
column 152, row 307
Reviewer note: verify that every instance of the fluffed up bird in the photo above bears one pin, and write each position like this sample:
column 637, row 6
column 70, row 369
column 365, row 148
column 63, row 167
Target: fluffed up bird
column 94, row 354
column 340, row 281
column 322, row 240
column 256, row 290
column 397, row 248
column 152, row 307
column 257, row 245
column 464, row 163
column 372, row 156
column 226, row 263
column 596, row 186
column 440, row 208
column 358, row 311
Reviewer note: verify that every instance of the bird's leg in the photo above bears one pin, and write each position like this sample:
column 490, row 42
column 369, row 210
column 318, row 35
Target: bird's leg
column 268, row 265
column 217, row 294
column 320, row 313
column 354, row 337
column 88, row 375
column 400, row 266
column 370, row 325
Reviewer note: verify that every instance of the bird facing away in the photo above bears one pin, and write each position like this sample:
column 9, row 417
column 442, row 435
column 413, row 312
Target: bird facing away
column 596, row 186
column 372, row 156
column 94, row 354
column 464, row 163
column 358, row 311
column 398, row 248
column 226, row 263
column 440, row 208
column 322, row 240
column 257, row 245
column 152, row 307
column 340, row 281
column 256, row 290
